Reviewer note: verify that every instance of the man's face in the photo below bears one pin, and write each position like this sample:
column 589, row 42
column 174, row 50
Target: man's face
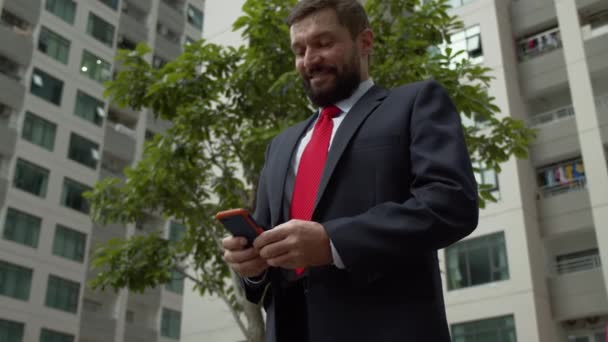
column 327, row 57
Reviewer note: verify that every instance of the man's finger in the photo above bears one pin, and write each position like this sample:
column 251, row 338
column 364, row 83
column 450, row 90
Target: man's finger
column 240, row 256
column 285, row 261
column 273, row 235
column 274, row 249
column 234, row 242
column 251, row 268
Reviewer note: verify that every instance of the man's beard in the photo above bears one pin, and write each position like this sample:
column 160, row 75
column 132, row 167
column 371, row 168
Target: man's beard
column 344, row 85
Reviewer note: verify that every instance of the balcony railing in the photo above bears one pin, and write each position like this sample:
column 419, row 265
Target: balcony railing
column 572, row 265
column 122, row 129
column 539, row 44
column 554, row 115
column 577, row 184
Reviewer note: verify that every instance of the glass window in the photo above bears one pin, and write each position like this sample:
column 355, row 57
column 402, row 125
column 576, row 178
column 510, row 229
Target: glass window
column 22, row 228
column 11, row 331
column 113, row 4
column 62, row 294
column 177, row 282
column 500, row 329
column 100, row 30
column 15, row 281
column 46, row 86
column 83, row 151
column 89, row 108
column 69, row 243
column 176, row 231
column 71, row 196
column 170, row 323
column 488, row 178
column 47, row 335
column 64, row 9
column 477, row 261
column 31, row 178
column 469, row 42
column 54, row 45
column 39, row 131
column 195, row 17
column 95, row 68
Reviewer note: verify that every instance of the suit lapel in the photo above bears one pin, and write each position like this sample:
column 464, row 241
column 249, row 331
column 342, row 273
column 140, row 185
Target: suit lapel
column 286, row 149
column 347, row 129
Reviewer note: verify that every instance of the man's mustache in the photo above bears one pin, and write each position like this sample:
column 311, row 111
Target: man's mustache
column 321, row 68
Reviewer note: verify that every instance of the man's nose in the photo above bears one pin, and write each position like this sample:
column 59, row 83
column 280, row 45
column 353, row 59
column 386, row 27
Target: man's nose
column 311, row 58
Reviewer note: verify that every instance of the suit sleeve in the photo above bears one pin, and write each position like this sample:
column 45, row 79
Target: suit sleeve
column 254, row 290
column 442, row 208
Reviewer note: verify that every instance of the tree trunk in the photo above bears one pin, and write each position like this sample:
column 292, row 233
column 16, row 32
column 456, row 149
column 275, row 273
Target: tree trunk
column 256, row 330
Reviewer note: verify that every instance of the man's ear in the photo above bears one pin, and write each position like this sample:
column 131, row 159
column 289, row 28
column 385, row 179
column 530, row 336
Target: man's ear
column 366, row 41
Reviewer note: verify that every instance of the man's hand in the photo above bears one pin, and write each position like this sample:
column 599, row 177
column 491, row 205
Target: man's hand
column 295, row 244
column 245, row 262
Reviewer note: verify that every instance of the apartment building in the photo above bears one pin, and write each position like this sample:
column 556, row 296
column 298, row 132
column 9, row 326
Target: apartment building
column 58, row 137
column 533, row 269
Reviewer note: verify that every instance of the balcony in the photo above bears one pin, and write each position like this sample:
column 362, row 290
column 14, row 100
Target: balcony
column 172, row 17
column 119, row 141
column 8, row 131
column 150, row 298
column 596, row 50
column 577, row 288
column 11, row 89
column 542, row 65
column 97, row 327
column 15, row 43
column 138, row 333
column 27, row 10
column 156, row 125
column 142, row 5
column 3, row 190
column 167, row 46
column 130, row 26
column 102, row 234
column 563, row 200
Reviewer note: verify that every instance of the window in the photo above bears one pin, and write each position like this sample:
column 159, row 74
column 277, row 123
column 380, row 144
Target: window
column 69, row 243
column 100, row 30
column 22, row 228
column 83, row 151
column 468, row 41
column 46, row 86
column 177, row 282
column 54, row 45
column 113, row 4
column 488, row 178
column 195, row 17
column 176, row 231
column 130, row 316
column 31, row 178
column 458, row 3
column 94, row 67
column 47, row 335
column 62, row 294
column 39, row 131
column 64, row 9
column 71, row 196
column 11, row 331
column 89, row 108
column 578, row 261
column 15, row 281
column 477, row 261
column 500, row 329
column 170, row 323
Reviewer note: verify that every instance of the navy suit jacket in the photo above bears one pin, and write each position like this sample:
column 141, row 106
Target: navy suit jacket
column 397, row 186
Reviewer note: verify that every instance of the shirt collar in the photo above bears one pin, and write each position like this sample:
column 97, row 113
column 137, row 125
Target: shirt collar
column 346, row 104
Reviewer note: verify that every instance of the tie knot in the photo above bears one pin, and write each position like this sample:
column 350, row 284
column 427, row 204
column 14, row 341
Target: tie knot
column 330, row 111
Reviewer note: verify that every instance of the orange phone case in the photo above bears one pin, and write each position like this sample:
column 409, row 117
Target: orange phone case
column 239, row 212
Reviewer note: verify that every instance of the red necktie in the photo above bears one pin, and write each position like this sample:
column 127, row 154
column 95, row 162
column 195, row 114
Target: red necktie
column 311, row 168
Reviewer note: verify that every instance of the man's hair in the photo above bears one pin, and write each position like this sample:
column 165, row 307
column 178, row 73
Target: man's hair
column 350, row 13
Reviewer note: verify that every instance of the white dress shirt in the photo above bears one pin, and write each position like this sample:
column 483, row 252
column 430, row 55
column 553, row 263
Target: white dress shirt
column 345, row 106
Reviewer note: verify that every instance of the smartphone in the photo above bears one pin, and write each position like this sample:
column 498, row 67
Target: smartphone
column 240, row 223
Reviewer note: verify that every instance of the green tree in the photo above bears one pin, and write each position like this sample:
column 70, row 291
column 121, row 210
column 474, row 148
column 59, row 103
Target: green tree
column 226, row 104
